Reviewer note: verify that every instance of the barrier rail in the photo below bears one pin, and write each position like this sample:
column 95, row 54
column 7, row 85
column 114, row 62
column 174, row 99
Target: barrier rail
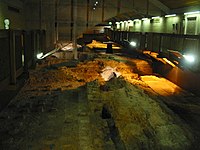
column 160, row 42
column 18, row 53
column 187, row 77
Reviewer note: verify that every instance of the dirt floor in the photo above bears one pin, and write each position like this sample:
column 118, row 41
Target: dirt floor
column 67, row 105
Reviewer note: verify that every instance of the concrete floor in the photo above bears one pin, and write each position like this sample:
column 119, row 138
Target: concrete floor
column 134, row 111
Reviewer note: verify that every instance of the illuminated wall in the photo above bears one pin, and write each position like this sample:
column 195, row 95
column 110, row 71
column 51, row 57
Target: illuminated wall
column 180, row 24
column 159, row 25
column 13, row 10
column 192, row 24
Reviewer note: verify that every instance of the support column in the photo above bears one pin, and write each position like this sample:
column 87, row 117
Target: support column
column 133, row 3
column 34, row 38
column 88, row 8
column 118, row 6
column 13, row 75
column 103, row 6
column 72, row 19
column 40, row 14
column 75, row 28
column 147, row 13
column 56, row 21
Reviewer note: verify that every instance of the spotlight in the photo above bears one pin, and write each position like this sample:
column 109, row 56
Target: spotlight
column 155, row 17
column 133, row 44
column 190, row 58
column 39, row 55
column 191, row 13
column 144, row 19
column 172, row 15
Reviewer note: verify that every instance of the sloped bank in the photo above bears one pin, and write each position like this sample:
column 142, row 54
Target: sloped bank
column 139, row 121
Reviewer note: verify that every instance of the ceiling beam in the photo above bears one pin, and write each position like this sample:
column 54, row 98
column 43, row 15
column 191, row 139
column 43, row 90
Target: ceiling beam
column 160, row 5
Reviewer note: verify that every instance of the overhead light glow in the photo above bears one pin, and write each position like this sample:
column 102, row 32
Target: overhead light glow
column 110, row 23
column 133, row 44
column 156, row 17
column 39, row 55
column 189, row 58
column 144, row 19
column 191, row 13
column 172, row 15
column 6, row 23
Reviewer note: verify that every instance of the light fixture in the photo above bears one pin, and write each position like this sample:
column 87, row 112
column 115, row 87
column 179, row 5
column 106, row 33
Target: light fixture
column 110, row 23
column 190, row 58
column 144, row 19
column 6, row 24
column 39, row 55
column 133, row 44
column 96, row 2
column 191, row 13
column 172, row 15
column 156, row 17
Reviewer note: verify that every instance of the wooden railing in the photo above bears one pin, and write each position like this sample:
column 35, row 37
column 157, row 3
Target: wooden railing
column 160, row 42
column 18, row 51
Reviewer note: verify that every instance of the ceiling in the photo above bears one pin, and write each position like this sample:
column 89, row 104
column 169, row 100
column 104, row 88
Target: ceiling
column 176, row 4
column 172, row 6
column 166, row 7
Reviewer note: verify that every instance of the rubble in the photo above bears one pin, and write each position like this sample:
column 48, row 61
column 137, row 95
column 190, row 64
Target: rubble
column 109, row 72
column 69, row 105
